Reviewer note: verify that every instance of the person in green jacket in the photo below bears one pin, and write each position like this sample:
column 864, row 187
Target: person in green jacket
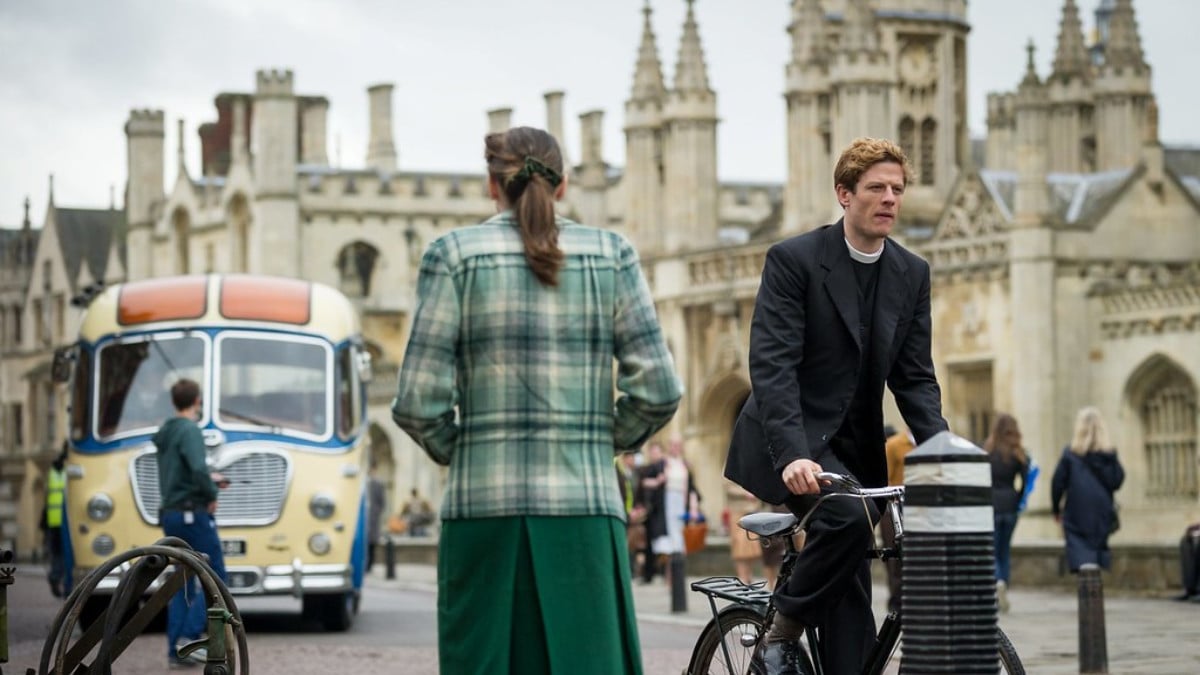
column 189, row 502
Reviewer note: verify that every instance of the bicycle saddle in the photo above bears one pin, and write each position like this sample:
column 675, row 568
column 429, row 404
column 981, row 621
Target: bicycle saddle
column 767, row 524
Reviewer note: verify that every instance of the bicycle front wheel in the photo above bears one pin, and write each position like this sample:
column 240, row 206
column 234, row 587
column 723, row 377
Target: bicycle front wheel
column 740, row 631
column 1009, row 661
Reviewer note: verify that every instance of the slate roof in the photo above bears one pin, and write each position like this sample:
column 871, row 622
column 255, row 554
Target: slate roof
column 1075, row 198
column 1184, row 162
column 85, row 236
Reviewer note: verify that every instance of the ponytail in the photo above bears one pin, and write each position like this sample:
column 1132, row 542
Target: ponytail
column 527, row 165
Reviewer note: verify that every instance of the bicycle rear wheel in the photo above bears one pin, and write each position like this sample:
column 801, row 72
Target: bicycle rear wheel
column 737, row 623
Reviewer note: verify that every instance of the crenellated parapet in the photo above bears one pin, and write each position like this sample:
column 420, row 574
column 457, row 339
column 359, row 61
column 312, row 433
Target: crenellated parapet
column 146, row 122
column 274, row 82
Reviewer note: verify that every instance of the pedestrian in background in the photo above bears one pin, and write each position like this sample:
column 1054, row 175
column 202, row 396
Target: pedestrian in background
column 1081, row 491
column 1189, row 563
column 681, row 499
column 651, row 495
column 376, row 507
column 897, row 447
column 417, row 514
column 635, row 513
column 189, row 501
column 52, row 520
column 524, row 326
column 742, row 549
column 1010, row 466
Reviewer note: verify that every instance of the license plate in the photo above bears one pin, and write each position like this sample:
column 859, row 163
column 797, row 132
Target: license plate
column 233, row 547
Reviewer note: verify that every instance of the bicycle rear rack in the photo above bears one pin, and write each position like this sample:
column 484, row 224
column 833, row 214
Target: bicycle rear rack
column 734, row 590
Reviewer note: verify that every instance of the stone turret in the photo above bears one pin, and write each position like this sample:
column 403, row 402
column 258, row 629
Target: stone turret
column 591, row 183
column 145, row 133
column 808, row 196
column 1068, row 89
column 313, row 122
column 1002, row 131
column 690, row 147
column 861, row 75
column 554, row 122
column 1123, row 92
column 499, row 120
column 643, row 179
column 381, row 150
column 1031, row 202
column 277, row 215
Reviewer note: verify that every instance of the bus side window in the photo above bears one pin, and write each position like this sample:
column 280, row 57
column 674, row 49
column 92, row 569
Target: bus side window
column 347, row 403
column 80, row 389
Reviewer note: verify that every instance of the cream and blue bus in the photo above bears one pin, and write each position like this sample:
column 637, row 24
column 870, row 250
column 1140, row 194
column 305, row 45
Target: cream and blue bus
column 283, row 369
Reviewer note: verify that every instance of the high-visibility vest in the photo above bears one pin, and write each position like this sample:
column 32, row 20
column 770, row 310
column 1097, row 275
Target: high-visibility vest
column 56, row 483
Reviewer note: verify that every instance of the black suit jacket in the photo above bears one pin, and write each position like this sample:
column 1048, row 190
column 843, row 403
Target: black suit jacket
column 805, row 355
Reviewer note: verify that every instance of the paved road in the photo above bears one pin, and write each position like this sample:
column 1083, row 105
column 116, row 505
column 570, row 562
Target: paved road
column 396, row 631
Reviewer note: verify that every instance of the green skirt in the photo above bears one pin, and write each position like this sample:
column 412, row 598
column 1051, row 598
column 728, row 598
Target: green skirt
column 536, row 594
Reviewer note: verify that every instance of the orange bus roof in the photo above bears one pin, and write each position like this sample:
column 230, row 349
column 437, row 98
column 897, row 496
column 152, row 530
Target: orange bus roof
column 266, row 299
column 162, row 300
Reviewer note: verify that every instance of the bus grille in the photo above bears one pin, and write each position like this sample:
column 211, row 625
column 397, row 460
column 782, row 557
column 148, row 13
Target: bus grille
column 255, row 496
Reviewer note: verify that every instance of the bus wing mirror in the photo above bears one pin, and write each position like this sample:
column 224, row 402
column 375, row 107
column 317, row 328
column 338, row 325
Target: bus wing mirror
column 60, row 368
column 362, row 361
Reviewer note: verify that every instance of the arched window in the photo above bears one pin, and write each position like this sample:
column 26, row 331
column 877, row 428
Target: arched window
column 182, row 226
column 356, row 265
column 1165, row 399
column 928, row 150
column 907, row 135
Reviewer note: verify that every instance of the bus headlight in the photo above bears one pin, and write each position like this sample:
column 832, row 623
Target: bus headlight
column 319, row 543
column 321, row 506
column 100, row 507
column 103, row 545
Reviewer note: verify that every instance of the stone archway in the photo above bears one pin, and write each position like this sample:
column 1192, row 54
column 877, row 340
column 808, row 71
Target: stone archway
column 718, row 410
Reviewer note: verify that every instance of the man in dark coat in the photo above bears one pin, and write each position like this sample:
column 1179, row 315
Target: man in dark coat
column 840, row 311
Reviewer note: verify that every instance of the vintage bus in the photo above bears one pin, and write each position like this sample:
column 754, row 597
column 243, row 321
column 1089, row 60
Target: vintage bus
column 282, row 368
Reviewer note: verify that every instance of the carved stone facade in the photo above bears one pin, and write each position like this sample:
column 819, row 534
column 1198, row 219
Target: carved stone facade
column 1064, row 266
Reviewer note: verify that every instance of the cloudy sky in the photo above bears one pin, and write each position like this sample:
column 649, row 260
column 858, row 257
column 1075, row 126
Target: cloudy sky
column 70, row 70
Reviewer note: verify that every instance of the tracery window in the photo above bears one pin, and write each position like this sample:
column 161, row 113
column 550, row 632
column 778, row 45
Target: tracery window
column 1168, row 417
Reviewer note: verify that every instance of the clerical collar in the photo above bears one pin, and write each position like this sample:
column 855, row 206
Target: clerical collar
column 868, row 258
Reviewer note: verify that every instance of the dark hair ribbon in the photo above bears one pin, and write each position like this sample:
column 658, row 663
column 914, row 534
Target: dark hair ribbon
column 533, row 166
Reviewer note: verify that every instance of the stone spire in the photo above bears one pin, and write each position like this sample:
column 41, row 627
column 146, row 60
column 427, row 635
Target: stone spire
column 1071, row 59
column 647, row 78
column 1124, row 48
column 1031, row 78
column 690, row 72
column 860, row 31
column 808, row 31
column 25, row 223
column 180, row 161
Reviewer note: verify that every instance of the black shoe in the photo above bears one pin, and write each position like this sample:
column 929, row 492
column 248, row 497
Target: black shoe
column 1184, row 597
column 781, row 657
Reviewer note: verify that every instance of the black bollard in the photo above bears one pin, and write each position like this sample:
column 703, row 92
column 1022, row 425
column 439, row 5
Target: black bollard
column 948, row 579
column 390, row 557
column 1093, row 644
column 678, row 582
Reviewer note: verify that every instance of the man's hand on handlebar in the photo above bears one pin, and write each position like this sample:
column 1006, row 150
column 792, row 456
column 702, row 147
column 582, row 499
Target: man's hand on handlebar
column 800, row 477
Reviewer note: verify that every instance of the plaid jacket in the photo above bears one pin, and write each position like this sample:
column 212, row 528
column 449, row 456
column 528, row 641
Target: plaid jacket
column 510, row 383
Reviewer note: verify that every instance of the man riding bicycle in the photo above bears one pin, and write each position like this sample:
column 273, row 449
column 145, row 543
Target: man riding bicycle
column 840, row 311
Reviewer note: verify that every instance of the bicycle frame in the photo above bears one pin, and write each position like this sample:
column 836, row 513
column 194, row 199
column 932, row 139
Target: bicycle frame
column 755, row 596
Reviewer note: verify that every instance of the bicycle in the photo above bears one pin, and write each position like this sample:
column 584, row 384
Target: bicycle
column 728, row 642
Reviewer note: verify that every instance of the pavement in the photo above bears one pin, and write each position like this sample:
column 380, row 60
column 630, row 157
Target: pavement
column 1144, row 634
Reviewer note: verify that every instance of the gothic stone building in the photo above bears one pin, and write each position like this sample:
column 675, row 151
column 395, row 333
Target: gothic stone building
column 1065, row 247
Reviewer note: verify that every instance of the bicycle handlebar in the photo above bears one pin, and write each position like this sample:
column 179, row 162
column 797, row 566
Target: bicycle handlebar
column 849, row 485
